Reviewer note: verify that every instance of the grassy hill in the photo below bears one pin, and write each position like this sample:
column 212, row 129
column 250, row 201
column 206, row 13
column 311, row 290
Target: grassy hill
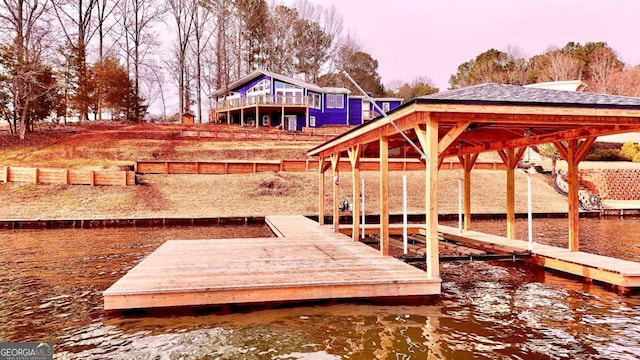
column 115, row 146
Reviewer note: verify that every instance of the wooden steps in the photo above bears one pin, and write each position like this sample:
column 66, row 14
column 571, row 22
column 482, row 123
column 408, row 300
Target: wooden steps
column 306, row 262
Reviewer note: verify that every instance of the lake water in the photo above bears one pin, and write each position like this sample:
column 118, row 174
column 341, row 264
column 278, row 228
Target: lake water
column 51, row 285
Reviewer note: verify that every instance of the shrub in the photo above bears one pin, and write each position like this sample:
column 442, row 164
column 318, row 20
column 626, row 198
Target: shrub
column 628, row 151
column 603, row 155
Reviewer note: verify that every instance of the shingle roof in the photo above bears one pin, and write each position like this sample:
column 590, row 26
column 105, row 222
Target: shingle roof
column 519, row 95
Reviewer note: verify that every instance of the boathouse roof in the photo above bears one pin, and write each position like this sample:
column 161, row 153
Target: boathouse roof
column 491, row 117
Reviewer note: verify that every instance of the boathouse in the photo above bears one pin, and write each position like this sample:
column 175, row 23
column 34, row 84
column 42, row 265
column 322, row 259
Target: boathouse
column 264, row 98
column 464, row 123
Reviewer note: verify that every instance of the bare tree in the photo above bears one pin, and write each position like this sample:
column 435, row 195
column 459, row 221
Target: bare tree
column 104, row 12
column 203, row 31
column 153, row 82
column 602, row 67
column 183, row 12
column 78, row 15
column 282, row 40
column 561, row 66
column 137, row 20
column 25, row 20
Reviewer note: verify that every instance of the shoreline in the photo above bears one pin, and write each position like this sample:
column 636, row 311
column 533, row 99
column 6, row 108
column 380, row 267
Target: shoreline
column 100, row 223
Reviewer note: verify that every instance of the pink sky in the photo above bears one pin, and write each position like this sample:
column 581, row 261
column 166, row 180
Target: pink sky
column 430, row 38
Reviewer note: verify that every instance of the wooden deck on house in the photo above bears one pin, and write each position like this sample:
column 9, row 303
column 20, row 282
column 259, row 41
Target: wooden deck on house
column 305, row 262
column 622, row 273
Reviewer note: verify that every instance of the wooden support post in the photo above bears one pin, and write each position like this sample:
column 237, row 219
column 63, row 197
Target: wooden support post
column 467, row 162
column 321, row 170
column 572, row 174
column 430, row 147
column 335, row 161
column 354, row 159
column 511, row 196
column 573, row 153
column 66, row 176
column 166, row 167
column 257, row 116
column 384, row 195
column 511, row 157
column 92, row 178
column 6, row 174
column 35, row 175
column 282, row 119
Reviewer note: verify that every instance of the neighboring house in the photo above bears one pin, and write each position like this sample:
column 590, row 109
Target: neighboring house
column 263, row 98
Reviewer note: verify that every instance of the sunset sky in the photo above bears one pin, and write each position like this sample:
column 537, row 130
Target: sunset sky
column 430, row 38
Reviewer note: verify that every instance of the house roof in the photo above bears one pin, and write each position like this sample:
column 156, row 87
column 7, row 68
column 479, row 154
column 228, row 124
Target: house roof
column 288, row 79
column 490, row 117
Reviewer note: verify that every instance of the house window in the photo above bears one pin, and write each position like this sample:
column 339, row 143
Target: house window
column 262, row 87
column 312, row 121
column 385, row 107
column 335, row 101
column 315, row 100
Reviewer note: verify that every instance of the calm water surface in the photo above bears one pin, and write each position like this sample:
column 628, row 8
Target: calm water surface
column 51, row 285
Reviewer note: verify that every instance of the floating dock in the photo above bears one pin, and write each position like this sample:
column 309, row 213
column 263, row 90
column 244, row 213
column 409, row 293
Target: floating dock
column 305, row 262
column 621, row 273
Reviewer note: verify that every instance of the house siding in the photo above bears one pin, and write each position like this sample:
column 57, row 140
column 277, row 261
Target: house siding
column 335, row 116
column 355, row 111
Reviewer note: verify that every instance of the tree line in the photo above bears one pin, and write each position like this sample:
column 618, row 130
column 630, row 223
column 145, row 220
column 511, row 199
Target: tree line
column 595, row 63
column 85, row 58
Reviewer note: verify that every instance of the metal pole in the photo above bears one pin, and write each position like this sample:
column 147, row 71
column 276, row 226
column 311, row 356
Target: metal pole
column 363, row 216
column 529, row 210
column 405, row 240
column 423, row 156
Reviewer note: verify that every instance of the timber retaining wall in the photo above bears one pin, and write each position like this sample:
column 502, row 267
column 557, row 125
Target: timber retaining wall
column 67, row 176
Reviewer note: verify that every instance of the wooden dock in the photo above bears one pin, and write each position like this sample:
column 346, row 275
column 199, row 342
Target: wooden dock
column 305, row 262
column 622, row 273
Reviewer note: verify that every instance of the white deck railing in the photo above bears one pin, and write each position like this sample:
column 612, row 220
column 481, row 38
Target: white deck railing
column 261, row 100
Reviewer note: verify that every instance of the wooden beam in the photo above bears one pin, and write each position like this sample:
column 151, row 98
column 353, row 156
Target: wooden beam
column 584, row 148
column 534, row 115
column 335, row 161
column 562, row 149
column 354, row 159
column 576, row 133
column 431, row 195
column 321, row 170
column 384, row 195
column 452, row 135
column 468, row 163
column 572, row 179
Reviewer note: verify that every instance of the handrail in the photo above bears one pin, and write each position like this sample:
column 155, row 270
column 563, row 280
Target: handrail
column 264, row 99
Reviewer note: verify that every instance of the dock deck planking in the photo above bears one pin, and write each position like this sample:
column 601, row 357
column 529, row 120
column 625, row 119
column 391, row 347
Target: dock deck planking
column 307, row 263
column 613, row 271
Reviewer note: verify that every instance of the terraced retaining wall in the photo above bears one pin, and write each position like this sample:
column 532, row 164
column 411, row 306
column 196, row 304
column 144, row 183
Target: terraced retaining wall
column 614, row 184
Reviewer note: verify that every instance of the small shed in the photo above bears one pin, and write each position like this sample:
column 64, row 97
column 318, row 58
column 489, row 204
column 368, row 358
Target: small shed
column 188, row 118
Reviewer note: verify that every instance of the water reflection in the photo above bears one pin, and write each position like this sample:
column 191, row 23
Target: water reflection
column 52, row 281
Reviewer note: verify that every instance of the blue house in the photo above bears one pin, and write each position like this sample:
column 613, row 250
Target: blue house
column 263, row 98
